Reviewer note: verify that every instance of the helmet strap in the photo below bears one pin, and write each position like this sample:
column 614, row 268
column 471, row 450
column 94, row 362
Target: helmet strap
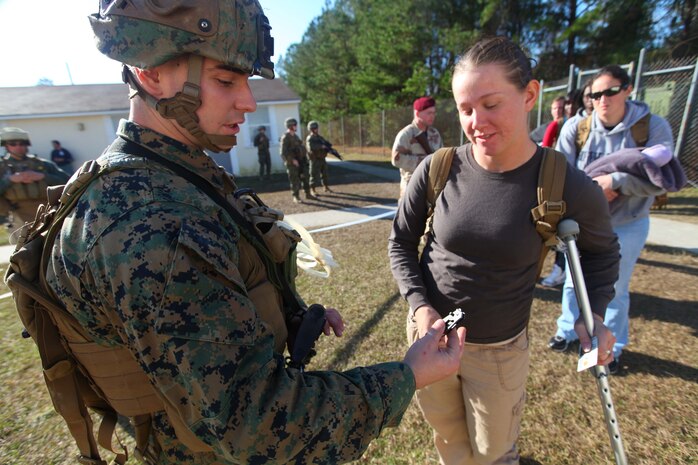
column 182, row 107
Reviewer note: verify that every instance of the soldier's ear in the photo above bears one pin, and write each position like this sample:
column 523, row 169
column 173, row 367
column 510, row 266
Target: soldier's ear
column 149, row 79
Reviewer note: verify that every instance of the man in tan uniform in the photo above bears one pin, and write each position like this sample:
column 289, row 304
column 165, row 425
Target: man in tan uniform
column 416, row 140
column 25, row 177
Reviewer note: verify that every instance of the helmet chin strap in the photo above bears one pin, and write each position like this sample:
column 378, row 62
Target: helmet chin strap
column 182, row 107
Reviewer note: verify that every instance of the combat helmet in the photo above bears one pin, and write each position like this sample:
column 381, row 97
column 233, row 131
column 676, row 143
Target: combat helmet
column 147, row 33
column 290, row 122
column 313, row 125
column 13, row 134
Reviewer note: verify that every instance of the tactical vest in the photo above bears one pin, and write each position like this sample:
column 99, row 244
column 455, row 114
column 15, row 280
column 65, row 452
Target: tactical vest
column 546, row 215
column 82, row 374
column 18, row 192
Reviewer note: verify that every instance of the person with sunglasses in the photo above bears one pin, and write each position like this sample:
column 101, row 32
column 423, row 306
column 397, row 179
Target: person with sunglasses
column 25, row 177
column 610, row 130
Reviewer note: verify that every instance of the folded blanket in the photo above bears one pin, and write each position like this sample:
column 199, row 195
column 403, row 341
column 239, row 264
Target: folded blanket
column 669, row 177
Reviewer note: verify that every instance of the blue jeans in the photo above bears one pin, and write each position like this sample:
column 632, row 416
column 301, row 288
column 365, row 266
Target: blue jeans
column 632, row 237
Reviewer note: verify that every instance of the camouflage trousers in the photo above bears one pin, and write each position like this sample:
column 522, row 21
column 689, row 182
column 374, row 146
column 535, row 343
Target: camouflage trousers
column 264, row 164
column 405, row 177
column 298, row 174
column 318, row 172
column 23, row 211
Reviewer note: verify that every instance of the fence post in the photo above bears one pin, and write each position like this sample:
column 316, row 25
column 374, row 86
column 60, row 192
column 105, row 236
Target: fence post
column 344, row 141
column 540, row 102
column 361, row 142
column 686, row 111
column 383, row 132
column 570, row 79
column 638, row 74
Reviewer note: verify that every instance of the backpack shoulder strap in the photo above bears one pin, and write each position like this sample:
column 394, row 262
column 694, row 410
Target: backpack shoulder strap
column 438, row 175
column 583, row 131
column 551, row 207
column 640, row 131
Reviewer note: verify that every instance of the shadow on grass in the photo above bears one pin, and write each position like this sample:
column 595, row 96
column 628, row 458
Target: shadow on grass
column 364, row 331
column 691, row 270
column 651, row 307
column 529, row 461
column 639, row 363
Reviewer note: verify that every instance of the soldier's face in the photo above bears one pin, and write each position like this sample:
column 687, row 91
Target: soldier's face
column 225, row 98
column 17, row 148
column 427, row 116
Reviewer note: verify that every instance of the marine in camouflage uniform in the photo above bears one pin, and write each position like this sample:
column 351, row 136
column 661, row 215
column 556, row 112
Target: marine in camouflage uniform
column 25, row 177
column 317, row 150
column 407, row 152
column 296, row 161
column 148, row 261
column 261, row 141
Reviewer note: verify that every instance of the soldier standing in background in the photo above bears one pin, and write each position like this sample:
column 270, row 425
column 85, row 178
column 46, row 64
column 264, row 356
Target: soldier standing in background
column 416, row 140
column 25, row 177
column 296, row 161
column 261, row 141
column 157, row 259
column 317, row 150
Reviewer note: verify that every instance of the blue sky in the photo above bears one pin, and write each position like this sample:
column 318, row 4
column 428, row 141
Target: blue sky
column 53, row 40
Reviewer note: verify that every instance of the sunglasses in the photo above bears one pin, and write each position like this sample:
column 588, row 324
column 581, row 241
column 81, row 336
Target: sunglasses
column 610, row 92
column 14, row 143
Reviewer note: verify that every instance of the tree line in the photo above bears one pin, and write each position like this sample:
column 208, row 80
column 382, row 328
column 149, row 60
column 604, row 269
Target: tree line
column 360, row 56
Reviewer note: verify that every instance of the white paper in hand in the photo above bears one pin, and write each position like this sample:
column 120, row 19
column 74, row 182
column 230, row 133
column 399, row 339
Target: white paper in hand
column 590, row 358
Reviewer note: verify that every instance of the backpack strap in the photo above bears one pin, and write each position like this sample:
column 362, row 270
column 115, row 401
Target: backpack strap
column 438, row 175
column 640, row 131
column 65, row 382
column 551, row 208
column 583, row 131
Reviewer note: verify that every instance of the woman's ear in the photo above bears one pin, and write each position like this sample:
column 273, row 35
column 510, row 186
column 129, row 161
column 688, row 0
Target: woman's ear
column 531, row 94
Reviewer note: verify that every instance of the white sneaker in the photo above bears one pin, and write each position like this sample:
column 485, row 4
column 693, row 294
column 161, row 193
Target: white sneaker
column 555, row 278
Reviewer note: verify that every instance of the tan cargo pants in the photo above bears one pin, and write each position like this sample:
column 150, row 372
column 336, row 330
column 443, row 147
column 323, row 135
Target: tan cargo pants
column 476, row 413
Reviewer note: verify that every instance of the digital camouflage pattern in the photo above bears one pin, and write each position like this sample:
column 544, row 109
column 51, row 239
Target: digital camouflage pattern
column 140, row 34
column 148, row 261
column 292, row 149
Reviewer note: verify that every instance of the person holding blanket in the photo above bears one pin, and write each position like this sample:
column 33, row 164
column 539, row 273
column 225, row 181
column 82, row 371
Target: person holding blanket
column 610, row 129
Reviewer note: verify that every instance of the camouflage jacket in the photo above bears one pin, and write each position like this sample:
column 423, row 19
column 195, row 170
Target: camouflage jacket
column 411, row 152
column 148, row 261
column 292, row 148
column 12, row 191
column 315, row 145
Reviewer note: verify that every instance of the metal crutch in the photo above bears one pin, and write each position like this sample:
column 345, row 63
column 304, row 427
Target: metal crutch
column 567, row 231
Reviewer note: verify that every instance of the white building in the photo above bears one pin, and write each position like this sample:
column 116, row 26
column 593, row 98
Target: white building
column 84, row 119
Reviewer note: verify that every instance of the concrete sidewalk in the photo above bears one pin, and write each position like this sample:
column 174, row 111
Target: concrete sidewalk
column 663, row 232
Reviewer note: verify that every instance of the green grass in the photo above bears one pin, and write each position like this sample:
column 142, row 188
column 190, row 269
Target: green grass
column 656, row 399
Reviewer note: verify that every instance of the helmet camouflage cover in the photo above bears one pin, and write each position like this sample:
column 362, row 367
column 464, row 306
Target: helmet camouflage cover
column 13, row 134
column 290, row 122
column 313, row 125
column 148, row 33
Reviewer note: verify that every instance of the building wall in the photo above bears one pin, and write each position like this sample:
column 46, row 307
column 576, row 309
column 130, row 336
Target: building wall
column 244, row 155
column 85, row 136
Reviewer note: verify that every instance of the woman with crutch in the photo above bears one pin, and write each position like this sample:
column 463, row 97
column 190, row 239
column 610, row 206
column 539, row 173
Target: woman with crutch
column 482, row 256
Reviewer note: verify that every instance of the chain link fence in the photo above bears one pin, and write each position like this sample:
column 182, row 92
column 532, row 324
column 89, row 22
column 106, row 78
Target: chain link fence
column 669, row 87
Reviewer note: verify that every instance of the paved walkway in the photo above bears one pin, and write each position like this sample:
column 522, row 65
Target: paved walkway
column 662, row 231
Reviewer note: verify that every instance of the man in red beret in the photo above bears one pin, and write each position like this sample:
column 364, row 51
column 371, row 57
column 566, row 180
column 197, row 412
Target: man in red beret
column 416, row 140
